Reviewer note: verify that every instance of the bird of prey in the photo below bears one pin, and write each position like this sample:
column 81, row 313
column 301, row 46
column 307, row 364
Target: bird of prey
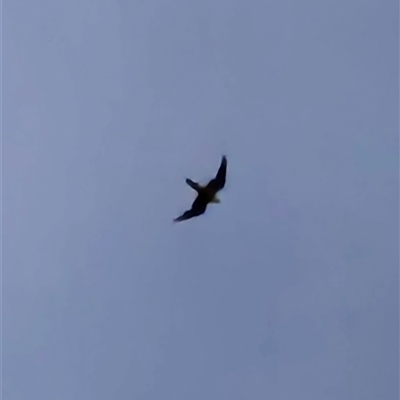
column 205, row 194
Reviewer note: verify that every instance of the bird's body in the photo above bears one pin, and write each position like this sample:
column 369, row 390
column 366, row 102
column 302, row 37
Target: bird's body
column 205, row 194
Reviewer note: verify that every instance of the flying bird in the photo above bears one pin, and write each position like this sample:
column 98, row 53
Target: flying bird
column 205, row 194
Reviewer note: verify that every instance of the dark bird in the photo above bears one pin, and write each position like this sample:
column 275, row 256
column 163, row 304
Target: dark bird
column 205, row 194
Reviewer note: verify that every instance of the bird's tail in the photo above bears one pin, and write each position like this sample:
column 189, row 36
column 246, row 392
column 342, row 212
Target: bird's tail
column 193, row 185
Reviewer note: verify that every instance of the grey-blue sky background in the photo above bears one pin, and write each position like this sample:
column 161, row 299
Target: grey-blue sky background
column 286, row 290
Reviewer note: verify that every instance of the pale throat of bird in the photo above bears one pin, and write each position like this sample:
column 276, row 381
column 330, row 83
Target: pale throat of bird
column 215, row 200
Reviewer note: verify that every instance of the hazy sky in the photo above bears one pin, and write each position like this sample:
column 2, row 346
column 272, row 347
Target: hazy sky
column 288, row 289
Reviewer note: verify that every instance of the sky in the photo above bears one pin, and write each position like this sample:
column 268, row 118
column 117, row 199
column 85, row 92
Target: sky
column 286, row 290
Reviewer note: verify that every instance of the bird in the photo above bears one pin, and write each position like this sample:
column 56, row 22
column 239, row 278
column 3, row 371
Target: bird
column 205, row 194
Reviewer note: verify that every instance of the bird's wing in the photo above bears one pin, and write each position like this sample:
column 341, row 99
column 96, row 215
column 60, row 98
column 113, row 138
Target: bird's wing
column 198, row 207
column 218, row 182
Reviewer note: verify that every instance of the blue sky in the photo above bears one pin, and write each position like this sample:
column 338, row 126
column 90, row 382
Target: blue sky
column 288, row 289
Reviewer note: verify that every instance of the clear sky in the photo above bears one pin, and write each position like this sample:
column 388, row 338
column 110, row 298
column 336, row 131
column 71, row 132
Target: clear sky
column 286, row 290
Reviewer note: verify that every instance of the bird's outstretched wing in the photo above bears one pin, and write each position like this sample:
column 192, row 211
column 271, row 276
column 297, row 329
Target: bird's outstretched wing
column 218, row 182
column 198, row 207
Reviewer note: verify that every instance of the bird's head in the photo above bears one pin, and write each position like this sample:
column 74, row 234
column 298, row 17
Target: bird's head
column 215, row 200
